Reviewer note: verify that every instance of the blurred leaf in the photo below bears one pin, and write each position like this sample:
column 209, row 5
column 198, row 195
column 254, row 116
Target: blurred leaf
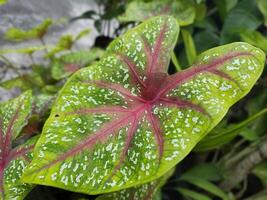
column 26, row 50
column 207, row 171
column 190, row 48
column 217, row 138
column 201, row 11
column 249, row 134
column 3, row 2
column 16, row 34
column 64, row 43
column 182, row 10
column 262, row 5
column 241, row 18
column 90, row 14
column 192, row 194
column 224, row 6
column 205, row 40
column 255, row 38
column 261, row 172
column 69, row 63
column 262, row 195
column 82, row 34
column 24, row 82
column 205, row 185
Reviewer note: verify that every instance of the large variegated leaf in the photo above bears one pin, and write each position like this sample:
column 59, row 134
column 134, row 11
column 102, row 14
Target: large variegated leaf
column 182, row 10
column 148, row 191
column 125, row 121
column 13, row 160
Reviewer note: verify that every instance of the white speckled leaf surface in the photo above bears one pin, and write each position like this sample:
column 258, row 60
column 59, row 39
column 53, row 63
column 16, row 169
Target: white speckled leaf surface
column 124, row 121
column 14, row 115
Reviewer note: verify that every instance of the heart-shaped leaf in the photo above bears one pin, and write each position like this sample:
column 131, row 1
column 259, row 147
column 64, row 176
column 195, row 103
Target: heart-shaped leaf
column 13, row 160
column 182, row 10
column 125, row 121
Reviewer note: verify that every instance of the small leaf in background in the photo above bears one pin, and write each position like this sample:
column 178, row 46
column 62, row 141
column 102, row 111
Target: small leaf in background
column 82, row 34
column 190, row 48
column 69, row 63
column 224, row 6
column 244, row 17
column 14, row 115
column 64, row 43
column 192, row 194
column 24, row 82
column 182, row 10
column 255, row 38
column 124, row 121
column 262, row 5
column 148, row 191
column 17, row 35
column 205, row 40
column 3, row 2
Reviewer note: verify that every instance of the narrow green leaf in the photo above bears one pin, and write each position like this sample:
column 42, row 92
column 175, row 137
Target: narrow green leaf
column 216, row 139
column 175, row 62
column 82, row 34
column 190, row 48
column 13, row 160
column 192, row 194
column 124, row 121
column 26, row 50
column 182, row 10
column 206, row 185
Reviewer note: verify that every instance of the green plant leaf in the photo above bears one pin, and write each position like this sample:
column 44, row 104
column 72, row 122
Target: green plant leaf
column 82, row 34
column 64, row 43
column 192, row 194
column 148, row 191
column 190, row 48
column 182, row 10
column 16, row 34
column 13, row 160
column 255, row 38
column 206, row 185
column 69, row 63
column 248, row 20
column 3, row 2
column 262, row 5
column 26, row 50
column 219, row 137
column 124, row 121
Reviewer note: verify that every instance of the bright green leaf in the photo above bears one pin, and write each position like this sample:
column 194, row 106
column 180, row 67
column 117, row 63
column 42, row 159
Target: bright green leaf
column 182, row 10
column 82, row 34
column 64, row 43
column 124, row 121
column 3, row 2
column 13, row 160
column 26, row 50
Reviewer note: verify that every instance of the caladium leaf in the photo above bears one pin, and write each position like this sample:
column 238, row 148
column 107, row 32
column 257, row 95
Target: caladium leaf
column 138, row 11
column 148, row 191
column 124, row 121
column 69, row 63
column 13, row 160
